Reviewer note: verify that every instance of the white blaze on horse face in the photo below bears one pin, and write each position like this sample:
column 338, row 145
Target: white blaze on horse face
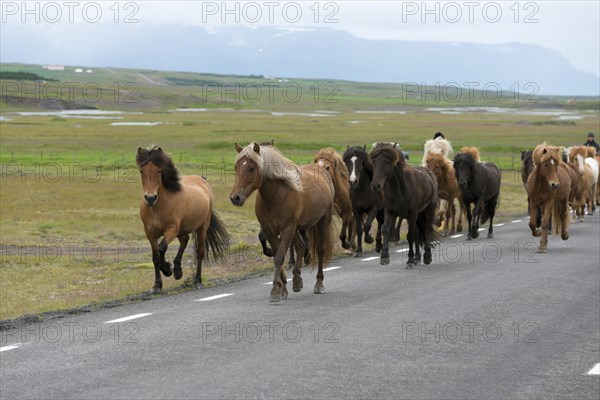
column 353, row 173
column 321, row 163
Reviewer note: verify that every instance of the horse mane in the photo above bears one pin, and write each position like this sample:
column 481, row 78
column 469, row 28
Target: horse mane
column 155, row 155
column 591, row 151
column 473, row 151
column 334, row 159
column 389, row 149
column 437, row 146
column 274, row 165
column 544, row 152
column 439, row 159
column 361, row 153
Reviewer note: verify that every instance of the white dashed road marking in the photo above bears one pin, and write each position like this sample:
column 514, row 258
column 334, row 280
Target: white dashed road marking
column 595, row 370
column 270, row 283
column 330, row 269
column 11, row 347
column 370, row 258
column 114, row 321
column 515, row 221
column 401, row 250
column 498, row 224
column 219, row 296
column 456, row 236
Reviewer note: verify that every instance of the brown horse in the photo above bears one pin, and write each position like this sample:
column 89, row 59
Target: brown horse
column 549, row 186
column 448, row 189
column 173, row 207
column 334, row 165
column 586, row 185
column 289, row 199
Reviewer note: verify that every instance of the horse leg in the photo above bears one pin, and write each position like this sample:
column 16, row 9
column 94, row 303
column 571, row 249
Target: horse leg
column 292, row 261
column 469, row 218
column 411, row 236
column 492, row 212
column 367, row 226
column 563, row 210
column 279, row 291
column 156, row 261
column 476, row 215
column 168, row 237
column 378, row 241
column 532, row 220
column 343, row 234
column 429, row 216
column 201, row 234
column 388, row 223
column 183, row 242
column 351, row 230
column 263, row 242
column 452, row 217
column 322, row 226
column 544, row 239
column 297, row 283
column 359, row 234
column 462, row 211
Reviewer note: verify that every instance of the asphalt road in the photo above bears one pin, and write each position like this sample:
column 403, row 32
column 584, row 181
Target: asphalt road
column 488, row 319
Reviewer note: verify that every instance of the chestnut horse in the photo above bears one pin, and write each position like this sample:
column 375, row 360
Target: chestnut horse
column 479, row 184
column 448, row 189
column 289, row 199
column 549, row 186
column 173, row 207
column 364, row 200
column 587, row 168
column 410, row 193
column 334, row 165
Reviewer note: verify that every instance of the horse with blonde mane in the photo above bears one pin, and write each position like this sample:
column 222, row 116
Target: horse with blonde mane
column 549, row 187
column 436, row 146
column 336, row 168
column 448, row 190
column 173, row 207
column 587, row 168
column 289, row 199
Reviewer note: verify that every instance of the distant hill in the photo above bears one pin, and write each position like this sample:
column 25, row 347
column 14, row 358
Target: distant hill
column 306, row 53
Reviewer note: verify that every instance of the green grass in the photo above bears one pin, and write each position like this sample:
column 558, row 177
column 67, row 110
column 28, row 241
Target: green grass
column 70, row 184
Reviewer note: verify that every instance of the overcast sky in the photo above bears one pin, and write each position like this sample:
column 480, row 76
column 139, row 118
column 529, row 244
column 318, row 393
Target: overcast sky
column 570, row 27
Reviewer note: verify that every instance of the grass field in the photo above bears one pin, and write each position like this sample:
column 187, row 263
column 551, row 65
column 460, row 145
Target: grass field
column 70, row 231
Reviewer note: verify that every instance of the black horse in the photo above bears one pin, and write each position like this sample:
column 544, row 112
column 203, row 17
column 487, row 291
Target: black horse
column 364, row 199
column 410, row 193
column 479, row 184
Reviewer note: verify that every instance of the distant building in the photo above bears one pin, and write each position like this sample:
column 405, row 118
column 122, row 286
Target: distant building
column 89, row 71
column 54, row 67
column 78, row 70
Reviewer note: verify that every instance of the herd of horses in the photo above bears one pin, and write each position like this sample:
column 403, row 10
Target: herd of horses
column 295, row 204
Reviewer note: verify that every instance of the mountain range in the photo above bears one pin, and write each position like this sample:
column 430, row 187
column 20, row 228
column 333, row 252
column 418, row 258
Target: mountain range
column 298, row 53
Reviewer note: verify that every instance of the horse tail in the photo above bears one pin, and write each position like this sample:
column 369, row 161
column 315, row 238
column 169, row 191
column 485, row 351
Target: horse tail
column 322, row 235
column 217, row 238
column 435, row 237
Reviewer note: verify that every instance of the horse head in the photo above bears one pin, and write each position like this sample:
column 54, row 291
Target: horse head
column 157, row 171
column 463, row 169
column 385, row 158
column 358, row 165
column 248, row 165
column 547, row 160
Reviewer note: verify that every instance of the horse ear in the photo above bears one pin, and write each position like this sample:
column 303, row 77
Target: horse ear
column 545, row 151
column 140, row 151
column 159, row 149
column 256, row 148
column 347, row 146
column 238, row 148
column 365, row 147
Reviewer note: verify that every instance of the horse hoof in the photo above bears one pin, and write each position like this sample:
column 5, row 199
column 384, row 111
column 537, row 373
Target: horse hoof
column 475, row 235
column 490, row 236
column 199, row 286
column 346, row 245
column 297, row 284
column 565, row 236
column 417, row 262
column 469, row 237
column 427, row 260
column 177, row 273
column 368, row 239
column 378, row 247
column 319, row 290
column 410, row 265
column 384, row 261
column 357, row 254
column 268, row 253
column 156, row 290
column 541, row 250
column 284, row 294
column 275, row 298
column 166, row 269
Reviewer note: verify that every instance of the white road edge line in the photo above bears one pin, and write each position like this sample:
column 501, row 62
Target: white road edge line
column 480, row 229
column 595, row 370
column 271, row 282
column 401, row 250
column 498, row 224
column 129, row 318
column 457, row 236
column 370, row 258
column 515, row 221
column 219, row 296
column 10, row 347
column 330, row 269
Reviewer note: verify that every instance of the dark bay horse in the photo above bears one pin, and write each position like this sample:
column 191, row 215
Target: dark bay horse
column 549, row 187
column 410, row 193
column 364, row 200
column 173, row 207
column 289, row 199
column 479, row 184
column 526, row 169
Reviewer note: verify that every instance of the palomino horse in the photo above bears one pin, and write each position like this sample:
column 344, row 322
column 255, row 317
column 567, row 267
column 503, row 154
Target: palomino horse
column 479, row 184
column 441, row 146
column 364, row 200
column 549, row 186
column 289, row 199
column 410, row 193
column 173, row 207
column 587, row 168
column 448, row 189
column 334, row 165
